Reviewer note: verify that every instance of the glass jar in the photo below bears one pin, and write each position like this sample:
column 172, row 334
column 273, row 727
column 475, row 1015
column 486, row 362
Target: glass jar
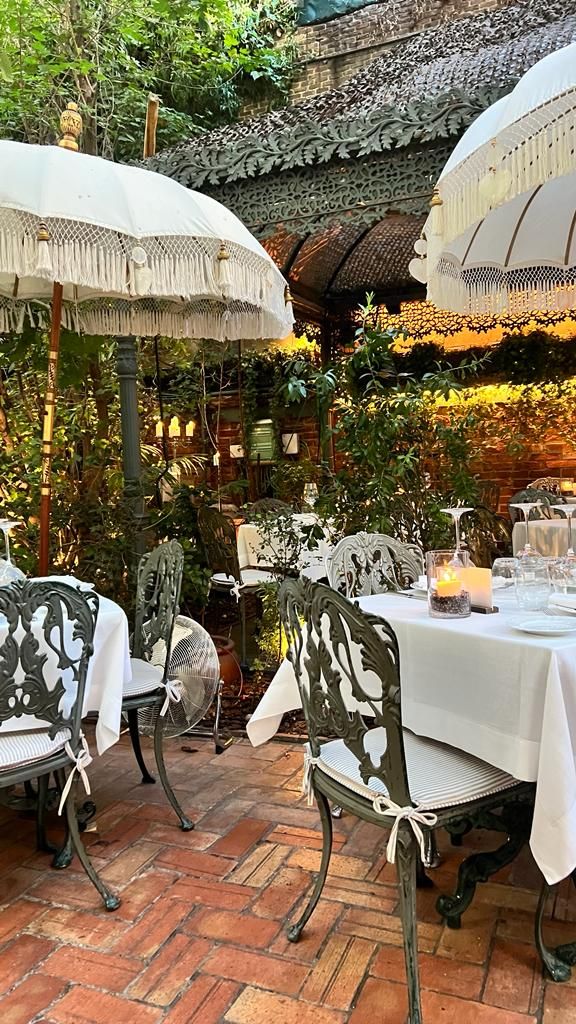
column 448, row 597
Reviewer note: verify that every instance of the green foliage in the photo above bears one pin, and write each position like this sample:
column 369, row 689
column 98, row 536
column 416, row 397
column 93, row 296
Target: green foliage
column 518, row 358
column 402, row 461
column 181, row 524
column 201, row 58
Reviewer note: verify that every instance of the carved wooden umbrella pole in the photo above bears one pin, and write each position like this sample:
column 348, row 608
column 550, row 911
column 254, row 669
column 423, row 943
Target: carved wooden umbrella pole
column 123, row 252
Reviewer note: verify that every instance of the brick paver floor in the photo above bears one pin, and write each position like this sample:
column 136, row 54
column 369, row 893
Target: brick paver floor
column 199, row 938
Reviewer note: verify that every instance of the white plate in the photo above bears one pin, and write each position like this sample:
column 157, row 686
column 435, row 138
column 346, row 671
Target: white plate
column 420, row 587
column 550, row 625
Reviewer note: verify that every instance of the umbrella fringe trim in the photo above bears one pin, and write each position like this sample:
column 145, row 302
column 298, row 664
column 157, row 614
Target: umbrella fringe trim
column 148, row 318
column 456, row 290
column 529, row 152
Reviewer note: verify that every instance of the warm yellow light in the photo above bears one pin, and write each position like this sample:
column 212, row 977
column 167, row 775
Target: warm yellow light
column 190, row 428
column 174, row 427
column 159, row 428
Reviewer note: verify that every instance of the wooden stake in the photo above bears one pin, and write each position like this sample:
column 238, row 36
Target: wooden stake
column 48, row 431
column 151, row 125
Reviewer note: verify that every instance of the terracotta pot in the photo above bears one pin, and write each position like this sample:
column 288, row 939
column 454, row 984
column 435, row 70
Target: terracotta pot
column 230, row 671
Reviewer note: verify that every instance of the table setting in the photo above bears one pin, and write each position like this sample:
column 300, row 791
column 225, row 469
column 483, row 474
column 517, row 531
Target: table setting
column 488, row 665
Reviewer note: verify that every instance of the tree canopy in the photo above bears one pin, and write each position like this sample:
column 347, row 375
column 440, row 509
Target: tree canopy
column 201, row 57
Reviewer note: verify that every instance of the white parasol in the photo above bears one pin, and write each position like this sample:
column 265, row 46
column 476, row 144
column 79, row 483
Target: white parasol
column 500, row 235
column 107, row 249
column 135, row 252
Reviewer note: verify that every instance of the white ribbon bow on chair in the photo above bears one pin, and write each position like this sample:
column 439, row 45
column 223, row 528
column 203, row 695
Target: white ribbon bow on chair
column 81, row 760
column 173, row 693
column 415, row 817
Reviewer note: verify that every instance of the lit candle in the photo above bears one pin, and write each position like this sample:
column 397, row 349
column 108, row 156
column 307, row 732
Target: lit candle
column 448, row 585
column 159, row 428
column 479, row 584
column 174, row 427
column 190, row 428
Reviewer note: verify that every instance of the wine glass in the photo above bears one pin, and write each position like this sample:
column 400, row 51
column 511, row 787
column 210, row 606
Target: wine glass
column 8, row 571
column 456, row 514
column 526, row 508
column 568, row 511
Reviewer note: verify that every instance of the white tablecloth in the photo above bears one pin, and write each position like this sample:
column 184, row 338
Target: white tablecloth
column 548, row 536
column 108, row 670
column 253, row 551
column 478, row 684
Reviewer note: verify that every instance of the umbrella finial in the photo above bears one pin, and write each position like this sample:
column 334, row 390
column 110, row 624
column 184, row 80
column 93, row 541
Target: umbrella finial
column 436, row 197
column 70, row 126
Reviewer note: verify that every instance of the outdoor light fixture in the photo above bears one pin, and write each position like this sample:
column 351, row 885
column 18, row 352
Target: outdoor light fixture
column 174, row 427
column 190, row 428
column 159, row 428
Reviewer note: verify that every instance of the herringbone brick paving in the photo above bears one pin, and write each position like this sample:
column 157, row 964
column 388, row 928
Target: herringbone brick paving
column 199, row 937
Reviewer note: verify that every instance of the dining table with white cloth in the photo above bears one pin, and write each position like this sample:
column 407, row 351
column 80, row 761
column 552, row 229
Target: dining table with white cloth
column 108, row 668
column 257, row 551
column 547, row 536
column 483, row 686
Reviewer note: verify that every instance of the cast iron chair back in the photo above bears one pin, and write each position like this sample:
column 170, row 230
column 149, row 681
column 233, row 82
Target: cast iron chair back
column 546, row 498
column 329, row 639
column 268, row 505
column 219, row 539
column 360, row 565
column 50, row 632
column 157, row 595
column 408, row 560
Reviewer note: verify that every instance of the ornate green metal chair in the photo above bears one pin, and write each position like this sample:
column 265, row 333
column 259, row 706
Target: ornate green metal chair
column 157, row 594
column 44, row 657
column 219, row 539
column 360, row 757
column 546, row 498
column 361, row 564
column 408, row 560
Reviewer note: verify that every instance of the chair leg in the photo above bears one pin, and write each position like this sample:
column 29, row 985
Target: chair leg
column 132, row 716
column 557, row 968
column 42, row 799
column 220, row 744
column 244, row 662
column 432, row 858
column 110, row 900
column 295, row 930
column 185, row 824
column 406, row 861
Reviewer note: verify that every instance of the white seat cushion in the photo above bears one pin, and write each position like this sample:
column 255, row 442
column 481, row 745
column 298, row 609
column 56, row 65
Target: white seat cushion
column 438, row 775
column 26, row 747
column 145, row 678
column 249, row 578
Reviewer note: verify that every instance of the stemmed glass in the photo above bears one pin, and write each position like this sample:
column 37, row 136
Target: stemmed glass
column 456, row 514
column 526, row 507
column 8, row 571
column 568, row 511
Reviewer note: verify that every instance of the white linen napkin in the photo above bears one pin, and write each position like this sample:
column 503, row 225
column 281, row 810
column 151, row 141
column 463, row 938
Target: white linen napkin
column 564, row 602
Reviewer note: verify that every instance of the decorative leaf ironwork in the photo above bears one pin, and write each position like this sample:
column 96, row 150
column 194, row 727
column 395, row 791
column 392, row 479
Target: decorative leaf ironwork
column 337, row 651
column 44, row 617
column 157, row 594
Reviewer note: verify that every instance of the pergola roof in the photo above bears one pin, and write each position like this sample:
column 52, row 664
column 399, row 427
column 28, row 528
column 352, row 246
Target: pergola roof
column 429, row 85
column 338, row 187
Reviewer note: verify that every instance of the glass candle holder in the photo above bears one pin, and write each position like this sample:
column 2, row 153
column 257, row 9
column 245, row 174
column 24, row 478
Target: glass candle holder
column 448, row 597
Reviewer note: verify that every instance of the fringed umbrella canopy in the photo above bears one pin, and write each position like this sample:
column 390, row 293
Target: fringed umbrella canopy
column 523, row 140
column 501, row 234
column 136, row 253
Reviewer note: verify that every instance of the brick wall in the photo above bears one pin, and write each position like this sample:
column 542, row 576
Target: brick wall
column 510, row 473
column 331, row 53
